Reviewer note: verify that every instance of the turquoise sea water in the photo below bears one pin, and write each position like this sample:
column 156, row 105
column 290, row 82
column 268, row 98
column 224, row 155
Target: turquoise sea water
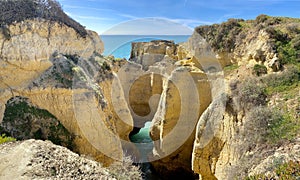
column 143, row 142
column 120, row 45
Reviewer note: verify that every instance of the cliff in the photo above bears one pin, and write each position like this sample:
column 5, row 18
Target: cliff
column 242, row 71
column 27, row 46
column 251, row 125
column 53, row 82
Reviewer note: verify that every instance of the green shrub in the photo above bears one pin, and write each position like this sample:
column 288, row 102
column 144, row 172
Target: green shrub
column 283, row 81
column 259, row 70
column 282, row 127
column 73, row 57
column 285, row 171
column 20, row 10
column 4, row 139
column 24, row 118
column 260, row 124
column 270, row 125
column 250, row 93
column 231, row 67
column 286, row 52
column 261, row 18
column 106, row 66
column 221, row 37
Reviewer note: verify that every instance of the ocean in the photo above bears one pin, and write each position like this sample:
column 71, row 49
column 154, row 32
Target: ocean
column 120, row 45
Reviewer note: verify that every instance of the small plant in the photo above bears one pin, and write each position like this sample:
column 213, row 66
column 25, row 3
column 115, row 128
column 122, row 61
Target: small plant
column 261, row 123
column 125, row 170
column 259, row 70
column 4, row 139
column 250, row 93
column 231, row 67
column 73, row 57
column 106, row 66
column 286, row 80
column 19, row 10
column 285, row 171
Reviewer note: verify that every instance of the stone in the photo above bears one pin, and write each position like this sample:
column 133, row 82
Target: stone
column 36, row 159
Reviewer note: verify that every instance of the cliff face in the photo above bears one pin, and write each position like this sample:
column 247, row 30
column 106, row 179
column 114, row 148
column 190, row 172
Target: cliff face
column 27, row 46
column 233, row 67
column 167, row 70
column 242, row 119
column 269, row 41
column 61, row 72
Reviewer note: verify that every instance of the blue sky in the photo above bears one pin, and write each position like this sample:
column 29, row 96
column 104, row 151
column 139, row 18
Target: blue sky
column 177, row 16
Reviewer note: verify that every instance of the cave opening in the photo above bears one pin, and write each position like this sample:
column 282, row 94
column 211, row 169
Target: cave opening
column 141, row 135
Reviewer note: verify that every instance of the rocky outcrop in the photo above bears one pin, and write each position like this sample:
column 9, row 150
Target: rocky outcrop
column 223, row 147
column 168, row 74
column 35, row 159
column 265, row 41
column 27, row 46
column 83, row 106
column 147, row 54
column 63, row 73
column 42, row 159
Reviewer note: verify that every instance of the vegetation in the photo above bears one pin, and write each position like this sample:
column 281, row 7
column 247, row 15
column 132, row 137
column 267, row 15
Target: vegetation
column 230, row 68
column 284, row 81
column 4, row 139
column 271, row 126
column 283, row 33
column 31, row 122
column 106, row 66
column 125, row 170
column 250, row 93
column 268, row 124
column 285, row 171
column 221, row 37
column 73, row 57
column 20, row 10
column 259, row 70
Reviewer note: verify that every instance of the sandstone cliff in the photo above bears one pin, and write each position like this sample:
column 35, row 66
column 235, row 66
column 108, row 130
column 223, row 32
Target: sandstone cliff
column 27, row 46
column 60, row 71
column 248, row 127
column 239, row 120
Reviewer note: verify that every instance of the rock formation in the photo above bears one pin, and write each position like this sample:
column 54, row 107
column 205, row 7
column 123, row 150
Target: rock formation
column 36, row 159
column 27, row 46
column 51, row 69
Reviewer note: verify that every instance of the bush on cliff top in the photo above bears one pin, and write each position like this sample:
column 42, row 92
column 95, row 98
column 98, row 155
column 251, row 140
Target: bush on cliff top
column 20, row 10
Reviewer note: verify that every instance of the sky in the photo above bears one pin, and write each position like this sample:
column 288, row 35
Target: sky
column 169, row 16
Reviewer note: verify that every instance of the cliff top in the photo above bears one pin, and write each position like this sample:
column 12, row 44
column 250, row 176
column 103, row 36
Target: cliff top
column 19, row 10
column 282, row 32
